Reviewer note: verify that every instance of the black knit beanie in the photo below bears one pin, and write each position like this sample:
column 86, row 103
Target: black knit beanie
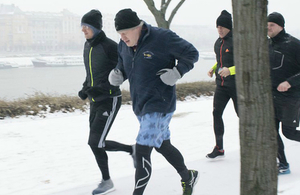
column 93, row 18
column 225, row 20
column 276, row 18
column 126, row 19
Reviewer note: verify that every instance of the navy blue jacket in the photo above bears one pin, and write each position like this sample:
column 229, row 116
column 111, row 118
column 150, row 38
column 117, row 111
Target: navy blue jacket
column 284, row 51
column 157, row 48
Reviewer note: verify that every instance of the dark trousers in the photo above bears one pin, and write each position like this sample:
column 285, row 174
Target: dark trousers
column 290, row 133
column 287, row 112
column 144, row 167
column 102, row 116
column 221, row 97
column 101, row 155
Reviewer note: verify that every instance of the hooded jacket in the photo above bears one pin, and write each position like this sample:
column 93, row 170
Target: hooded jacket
column 100, row 57
column 284, row 53
column 157, row 49
column 224, row 54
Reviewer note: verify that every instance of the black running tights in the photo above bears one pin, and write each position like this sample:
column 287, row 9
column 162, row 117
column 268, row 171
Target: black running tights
column 144, row 167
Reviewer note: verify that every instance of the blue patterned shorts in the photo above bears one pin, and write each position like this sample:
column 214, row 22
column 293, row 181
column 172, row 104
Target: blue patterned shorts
column 154, row 129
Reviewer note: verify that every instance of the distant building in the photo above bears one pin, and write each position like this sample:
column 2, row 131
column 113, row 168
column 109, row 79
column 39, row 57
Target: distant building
column 43, row 32
column 38, row 31
column 54, row 31
column 13, row 28
column 109, row 27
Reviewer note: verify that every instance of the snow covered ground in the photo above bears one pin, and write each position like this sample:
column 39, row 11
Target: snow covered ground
column 50, row 156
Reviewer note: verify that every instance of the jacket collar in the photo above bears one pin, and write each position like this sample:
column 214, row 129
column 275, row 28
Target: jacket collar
column 279, row 36
column 229, row 34
column 96, row 40
column 144, row 33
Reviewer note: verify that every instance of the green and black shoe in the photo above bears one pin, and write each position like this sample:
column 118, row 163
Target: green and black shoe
column 188, row 186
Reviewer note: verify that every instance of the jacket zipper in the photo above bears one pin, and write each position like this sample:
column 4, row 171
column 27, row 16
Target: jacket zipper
column 90, row 66
column 221, row 58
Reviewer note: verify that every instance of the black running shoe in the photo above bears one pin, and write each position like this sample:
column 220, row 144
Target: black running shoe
column 188, row 186
column 216, row 153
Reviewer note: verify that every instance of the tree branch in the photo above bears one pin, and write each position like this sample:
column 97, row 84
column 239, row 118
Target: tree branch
column 160, row 15
column 151, row 6
column 164, row 6
column 175, row 10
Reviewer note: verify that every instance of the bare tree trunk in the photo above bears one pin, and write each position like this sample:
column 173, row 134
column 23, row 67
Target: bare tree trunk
column 160, row 15
column 257, row 127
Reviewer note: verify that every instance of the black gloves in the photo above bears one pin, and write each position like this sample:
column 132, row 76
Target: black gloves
column 92, row 92
column 82, row 94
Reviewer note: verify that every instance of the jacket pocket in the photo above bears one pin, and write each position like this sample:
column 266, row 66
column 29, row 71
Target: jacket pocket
column 277, row 60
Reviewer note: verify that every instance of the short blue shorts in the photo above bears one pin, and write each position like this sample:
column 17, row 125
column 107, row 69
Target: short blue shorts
column 154, row 129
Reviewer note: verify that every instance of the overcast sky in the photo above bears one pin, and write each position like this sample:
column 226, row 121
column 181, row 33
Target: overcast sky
column 197, row 12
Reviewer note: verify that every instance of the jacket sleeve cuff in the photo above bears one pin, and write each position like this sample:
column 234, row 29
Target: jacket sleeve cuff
column 232, row 70
column 214, row 67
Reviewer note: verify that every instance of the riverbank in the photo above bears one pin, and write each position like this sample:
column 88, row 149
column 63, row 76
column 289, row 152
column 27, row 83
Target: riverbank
column 40, row 104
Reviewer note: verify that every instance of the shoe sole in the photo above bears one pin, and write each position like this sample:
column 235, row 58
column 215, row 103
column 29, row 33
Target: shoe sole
column 108, row 191
column 284, row 173
column 217, row 157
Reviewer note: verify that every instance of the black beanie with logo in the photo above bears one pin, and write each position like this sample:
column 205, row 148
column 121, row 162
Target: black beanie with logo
column 93, row 18
column 126, row 19
column 276, row 18
column 225, row 20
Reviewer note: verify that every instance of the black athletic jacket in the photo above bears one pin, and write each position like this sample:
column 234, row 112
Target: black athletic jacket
column 284, row 52
column 100, row 57
column 224, row 54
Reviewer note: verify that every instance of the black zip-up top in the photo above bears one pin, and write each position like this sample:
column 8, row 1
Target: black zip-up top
column 284, row 52
column 100, row 57
column 224, row 54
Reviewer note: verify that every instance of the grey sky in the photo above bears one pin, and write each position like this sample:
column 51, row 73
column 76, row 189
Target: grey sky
column 192, row 12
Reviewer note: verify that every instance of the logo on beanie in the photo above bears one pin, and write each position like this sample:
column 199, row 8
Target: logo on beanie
column 148, row 54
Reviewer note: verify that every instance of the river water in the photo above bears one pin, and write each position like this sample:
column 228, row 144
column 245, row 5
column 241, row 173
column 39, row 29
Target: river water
column 26, row 80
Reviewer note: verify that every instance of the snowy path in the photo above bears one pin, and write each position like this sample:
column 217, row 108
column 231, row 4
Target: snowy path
column 51, row 157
